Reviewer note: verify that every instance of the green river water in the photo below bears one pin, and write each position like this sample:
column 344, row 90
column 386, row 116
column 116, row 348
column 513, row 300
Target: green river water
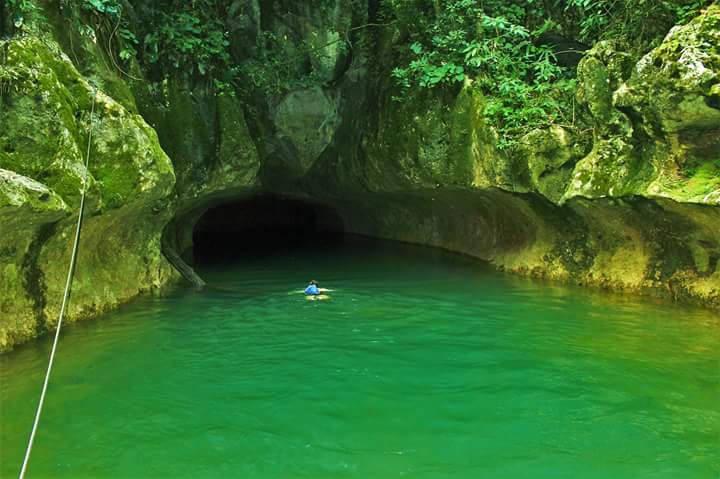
column 422, row 365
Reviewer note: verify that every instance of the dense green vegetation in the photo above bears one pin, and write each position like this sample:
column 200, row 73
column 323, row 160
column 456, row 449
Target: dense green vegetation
column 499, row 46
column 491, row 44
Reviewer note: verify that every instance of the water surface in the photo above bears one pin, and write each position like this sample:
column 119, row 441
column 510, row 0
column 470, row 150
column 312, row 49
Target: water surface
column 422, row 365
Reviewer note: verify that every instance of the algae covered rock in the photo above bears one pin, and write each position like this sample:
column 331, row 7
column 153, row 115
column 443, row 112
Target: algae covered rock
column 612, row 165
column 676, row 86
column 28, row 213
column 206, row 136
column 430, row 141
column 47, row 121
column 551, row 155
column 602, row 70
column 17, row 191
column 674, row 94
column 307, row 120
column 657, row 125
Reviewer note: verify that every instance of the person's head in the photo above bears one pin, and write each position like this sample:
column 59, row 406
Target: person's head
column 313, row 282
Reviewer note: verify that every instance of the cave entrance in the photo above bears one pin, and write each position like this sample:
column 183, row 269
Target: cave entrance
column 263, row 224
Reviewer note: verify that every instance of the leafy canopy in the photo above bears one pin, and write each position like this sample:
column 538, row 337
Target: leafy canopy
column 495, row 44
column 489, row 43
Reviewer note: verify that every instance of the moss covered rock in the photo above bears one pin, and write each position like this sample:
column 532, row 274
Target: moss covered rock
column 28, row 213
column 306, row 120
column 49, row 112
column 675, row 86
column 551, row 155
column 206, row 135
column 612, row 165
column 430, row 141
column 674, row 96
column 656, row 126
column 602, row 70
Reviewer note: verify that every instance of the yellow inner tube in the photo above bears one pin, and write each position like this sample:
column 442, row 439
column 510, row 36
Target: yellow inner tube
column 317, row 297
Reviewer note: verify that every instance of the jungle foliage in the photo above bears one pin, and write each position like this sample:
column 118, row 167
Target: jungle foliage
column 441, row 44
column 166, row 36
column 498, row 46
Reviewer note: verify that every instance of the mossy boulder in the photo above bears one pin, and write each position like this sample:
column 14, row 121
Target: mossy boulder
column 306, row 120
column 551, row 155
column 656, row 126
column 429, row 141
column 612, row 168
column 676, row 86
column 17, row 191
column 28, row 212
column 49, row 113
column 674, row 97
column 603, row 68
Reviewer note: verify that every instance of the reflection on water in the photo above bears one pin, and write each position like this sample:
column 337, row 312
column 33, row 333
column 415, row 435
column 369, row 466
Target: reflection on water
column 422, row 365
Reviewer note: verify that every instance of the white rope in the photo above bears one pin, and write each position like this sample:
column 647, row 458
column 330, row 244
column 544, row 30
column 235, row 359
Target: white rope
column 66, row 295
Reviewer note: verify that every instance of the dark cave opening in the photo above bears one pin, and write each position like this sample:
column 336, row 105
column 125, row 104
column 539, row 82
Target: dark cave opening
column 261, row 225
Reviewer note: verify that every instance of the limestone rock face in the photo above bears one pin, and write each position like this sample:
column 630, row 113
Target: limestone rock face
column 610, row 167
column 432, row 163
column 46, row 123
column 17, row 191
column 656, row 247
column 28, row 211
column 676, row 86
column 213, row 154
column 428, row 141
column 205, row 135
column 657, row 125
column 674, row 96
column 307, row 119
column 600, row 73
column 313, row 31
column 300, row 120
column 551, row 155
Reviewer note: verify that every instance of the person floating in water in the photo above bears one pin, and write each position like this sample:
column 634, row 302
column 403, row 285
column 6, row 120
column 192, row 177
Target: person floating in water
column 314, row 292
column 312, row 289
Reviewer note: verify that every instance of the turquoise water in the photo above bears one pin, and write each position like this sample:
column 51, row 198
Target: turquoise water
column 422, row 365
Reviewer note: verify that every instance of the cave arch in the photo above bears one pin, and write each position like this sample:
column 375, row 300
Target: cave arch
column 249, row 223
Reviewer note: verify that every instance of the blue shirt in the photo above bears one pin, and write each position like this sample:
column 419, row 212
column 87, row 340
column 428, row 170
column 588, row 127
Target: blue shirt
column 312, row 290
